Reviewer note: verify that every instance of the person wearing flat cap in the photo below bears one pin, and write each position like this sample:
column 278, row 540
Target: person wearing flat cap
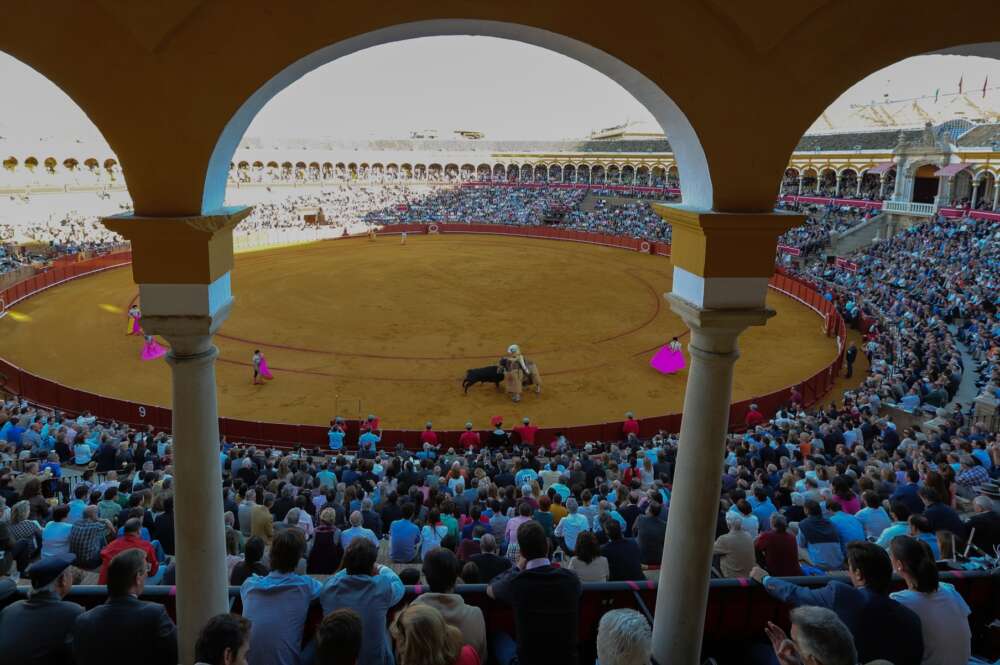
column 39, row 630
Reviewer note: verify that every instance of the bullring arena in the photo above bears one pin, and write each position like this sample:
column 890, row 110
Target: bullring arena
column 351, row 327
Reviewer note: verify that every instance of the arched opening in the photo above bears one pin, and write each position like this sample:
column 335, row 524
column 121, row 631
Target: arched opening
column 435, row 172
column 673, row 177
column 809, row 181
column 659, row 176
column 925, row 183
column 597, row 175
column 451, row 171
column 407, row 171
column 684, row 141
column 614, row 175
column 555, row 173
column 499, row 172
column 392, row 171
column 827, row 182
column 512, row 172
column 540, row 173
column 327, row 170
column 628, row 174
column 483, row 172
column 569, row 173
column 848, row 183
column 790, row 182
column 642, row 176
column 986, row 191
column 526, row 173
column 583, row 173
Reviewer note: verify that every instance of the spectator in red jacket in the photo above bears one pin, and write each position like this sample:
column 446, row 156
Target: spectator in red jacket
column 469, row 439
column 130, row 540
column 754, row 417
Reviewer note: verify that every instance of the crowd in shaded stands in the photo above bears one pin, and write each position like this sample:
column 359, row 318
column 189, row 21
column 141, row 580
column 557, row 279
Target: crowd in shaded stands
column 928, row 288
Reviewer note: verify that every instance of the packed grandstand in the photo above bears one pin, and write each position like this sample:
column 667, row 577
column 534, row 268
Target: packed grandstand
column 849, row 482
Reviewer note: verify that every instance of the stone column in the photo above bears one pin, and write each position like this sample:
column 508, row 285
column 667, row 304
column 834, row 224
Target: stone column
column 836, row 188
column 972, row 197
column 857, row 190
column 182, row 266
column 800, row 185
column 722, row 263
column 996, row 194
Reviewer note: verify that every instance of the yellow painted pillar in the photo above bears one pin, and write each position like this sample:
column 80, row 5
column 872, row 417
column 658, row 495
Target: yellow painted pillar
column 722, row 263
column 182, row 266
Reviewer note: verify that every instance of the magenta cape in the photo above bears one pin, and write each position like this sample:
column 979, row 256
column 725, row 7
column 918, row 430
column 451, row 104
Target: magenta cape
column 667, row 361
column 133, row 327
column 152, row 350
column 264, row 371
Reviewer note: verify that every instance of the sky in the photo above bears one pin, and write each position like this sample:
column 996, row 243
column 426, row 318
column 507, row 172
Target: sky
column 506, row 89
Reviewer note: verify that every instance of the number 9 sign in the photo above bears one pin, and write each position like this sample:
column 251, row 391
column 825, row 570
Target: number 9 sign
column 142, row 412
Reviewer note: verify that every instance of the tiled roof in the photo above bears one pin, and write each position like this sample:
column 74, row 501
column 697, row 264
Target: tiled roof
column 878, row 140
column 981, row 136
column 450, row 145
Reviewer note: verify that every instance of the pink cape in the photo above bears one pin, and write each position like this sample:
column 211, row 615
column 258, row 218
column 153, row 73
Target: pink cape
column 667, row 361
column 133, row 327
column 152, row 350
column 264, row 371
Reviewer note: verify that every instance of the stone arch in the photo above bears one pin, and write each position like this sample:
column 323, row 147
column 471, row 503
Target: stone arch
column 499, row 172
column 683, row 139
column 526, row 173
column 483, row 172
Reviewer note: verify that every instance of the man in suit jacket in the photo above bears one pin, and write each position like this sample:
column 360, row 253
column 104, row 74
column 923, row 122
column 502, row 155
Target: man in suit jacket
column 39, row 630
column 125, row 624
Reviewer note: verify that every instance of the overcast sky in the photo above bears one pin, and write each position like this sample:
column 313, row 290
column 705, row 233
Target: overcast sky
column 503, row 88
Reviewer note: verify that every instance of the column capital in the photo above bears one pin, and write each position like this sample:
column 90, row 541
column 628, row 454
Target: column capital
column 707, row 243
column 182, row 266
column 180, row 250
column 724, row 260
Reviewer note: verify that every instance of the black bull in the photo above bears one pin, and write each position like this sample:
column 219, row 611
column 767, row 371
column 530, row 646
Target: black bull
column 491, row 374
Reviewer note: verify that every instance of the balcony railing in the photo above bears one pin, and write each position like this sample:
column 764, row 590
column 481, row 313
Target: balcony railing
column 909, row 208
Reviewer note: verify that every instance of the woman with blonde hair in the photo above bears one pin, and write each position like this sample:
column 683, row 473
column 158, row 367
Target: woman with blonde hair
column 423, row 638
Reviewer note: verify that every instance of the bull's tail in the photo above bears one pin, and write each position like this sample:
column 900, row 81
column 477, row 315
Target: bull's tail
column 465, row 386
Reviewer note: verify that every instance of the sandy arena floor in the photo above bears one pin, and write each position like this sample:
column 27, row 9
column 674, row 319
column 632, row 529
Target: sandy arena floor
column 351, row 327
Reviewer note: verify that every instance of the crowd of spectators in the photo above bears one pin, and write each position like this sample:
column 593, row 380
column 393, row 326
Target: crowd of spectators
column 836, row 488
column 813, row 236
column 924, row 292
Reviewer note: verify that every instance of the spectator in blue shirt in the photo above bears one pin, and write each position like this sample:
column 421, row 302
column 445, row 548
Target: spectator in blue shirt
column 404, row 537
column 357, row 531
column 873, row 516
column 848, row 526
column 367, row 443
column 336, row 436
column 277, row 604
column 908, row 492
column 571, row 526
column 762, row 506
column 369, row 589
column 901, row 515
